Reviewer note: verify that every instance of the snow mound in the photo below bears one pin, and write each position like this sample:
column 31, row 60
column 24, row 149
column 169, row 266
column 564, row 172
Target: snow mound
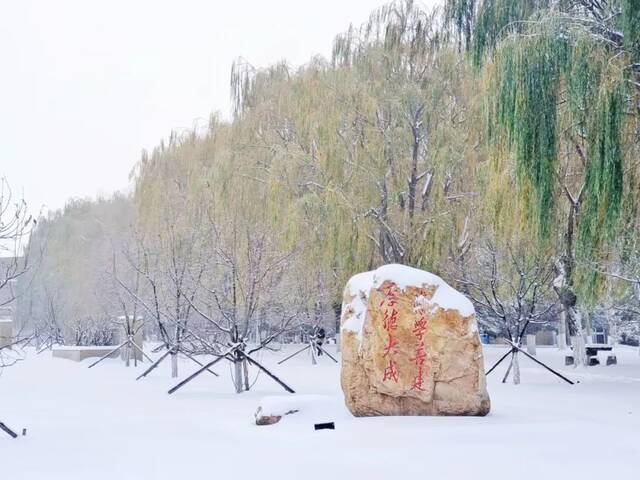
column 359, row 286
column 311, row 407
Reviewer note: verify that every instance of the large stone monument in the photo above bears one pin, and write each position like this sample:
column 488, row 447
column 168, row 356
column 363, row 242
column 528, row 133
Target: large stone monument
column 410, row 346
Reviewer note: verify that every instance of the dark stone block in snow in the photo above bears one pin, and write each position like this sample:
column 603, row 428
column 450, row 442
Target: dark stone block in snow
column 325, row 426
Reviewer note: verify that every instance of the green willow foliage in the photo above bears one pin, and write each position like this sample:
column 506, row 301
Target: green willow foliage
column 562, row 78
column 525, row 105
column 604, row 172
column 459, row 14
column 545, row 72
column 631, row 24
column 498, row 18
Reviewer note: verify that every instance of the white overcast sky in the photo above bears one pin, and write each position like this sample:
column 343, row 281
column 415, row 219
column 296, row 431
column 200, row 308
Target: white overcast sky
column 85, row 85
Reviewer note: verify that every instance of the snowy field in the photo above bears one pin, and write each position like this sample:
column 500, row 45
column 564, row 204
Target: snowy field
column 101, row 424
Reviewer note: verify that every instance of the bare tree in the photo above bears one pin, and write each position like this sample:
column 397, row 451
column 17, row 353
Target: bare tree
column 168, row 271
column 623, row 269
column 48, row 328
column 511, row 290
column 246, row 282
column 15, row 226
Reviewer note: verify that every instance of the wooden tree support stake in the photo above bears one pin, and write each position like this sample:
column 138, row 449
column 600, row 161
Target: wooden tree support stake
column 128, row 342
column 515, row 349
column 195, row 374
column 227, row 355
column 294, row 354
column 9, row 432
column 276, row 379
column 311, row 345
column 177, row 351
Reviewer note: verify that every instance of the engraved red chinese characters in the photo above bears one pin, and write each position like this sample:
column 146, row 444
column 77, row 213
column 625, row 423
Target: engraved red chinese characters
column 390, row 325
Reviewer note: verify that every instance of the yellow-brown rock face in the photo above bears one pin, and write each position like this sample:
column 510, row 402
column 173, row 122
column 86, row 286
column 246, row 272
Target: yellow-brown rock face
column 410, row 346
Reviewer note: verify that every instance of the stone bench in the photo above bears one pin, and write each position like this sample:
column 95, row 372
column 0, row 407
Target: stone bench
column 592, row 357
column 595, row 350
column 77, row 354
column 592, row 349
column 610, row 359
column 592, row 360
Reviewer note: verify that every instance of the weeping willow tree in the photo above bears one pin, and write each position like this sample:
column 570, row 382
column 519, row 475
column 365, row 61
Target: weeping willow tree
column 355, row 161
column 522, row 110
column 557, row 103
column 363, row 121
column 418, row 103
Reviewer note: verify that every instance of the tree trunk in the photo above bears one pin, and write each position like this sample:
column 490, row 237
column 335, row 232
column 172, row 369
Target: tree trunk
column 562, row 331
column 174, row 365
column 413, row 176
column 569, row 298
column 337, row 308
column 245, row 373
column 586, row 320
column 579, row 351
column 237, row 374
column 612, row 334
column 516, row 369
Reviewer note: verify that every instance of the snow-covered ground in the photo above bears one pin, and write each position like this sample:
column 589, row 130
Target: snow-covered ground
column 102, row 424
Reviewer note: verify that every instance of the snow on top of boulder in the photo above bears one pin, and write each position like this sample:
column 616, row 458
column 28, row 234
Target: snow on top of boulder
column 359, row 286
column 445, row 296
column 402, row 276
